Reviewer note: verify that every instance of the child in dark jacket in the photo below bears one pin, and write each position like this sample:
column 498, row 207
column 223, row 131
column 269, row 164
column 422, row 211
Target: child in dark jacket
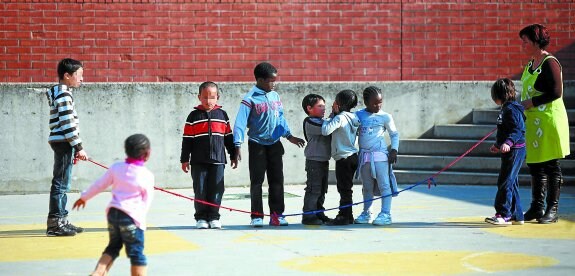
column 510, row 142
column 207, row 134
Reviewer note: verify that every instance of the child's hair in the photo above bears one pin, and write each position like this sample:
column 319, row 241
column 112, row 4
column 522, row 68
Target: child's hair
column 503, row 89
column 369, row 92
column 536, row 33
column 69, row 66
column 264, row 70
column 346, row 99
column 207, row 84
column 310, row 100
column 136, row 145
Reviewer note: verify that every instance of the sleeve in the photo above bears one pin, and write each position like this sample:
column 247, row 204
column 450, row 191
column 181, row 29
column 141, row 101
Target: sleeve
column 99, row 185
column 148, row 192
column 283, row 122
column 550, row 83
column 187, row 140
column 242, row 121
column 330, row 125
column 67, row 121
column 229, row 138
column 512, row 123
column 393, row 133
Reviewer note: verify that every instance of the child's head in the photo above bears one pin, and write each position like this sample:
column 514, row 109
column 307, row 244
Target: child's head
column 502, row 91
column 346, row 100
column 266, row 75
column 137, row 146
column 70, row 72
column 208, row 95
column 313, row 105
column 372, row 99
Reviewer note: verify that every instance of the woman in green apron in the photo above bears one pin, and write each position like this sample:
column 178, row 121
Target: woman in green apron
column 547, row 129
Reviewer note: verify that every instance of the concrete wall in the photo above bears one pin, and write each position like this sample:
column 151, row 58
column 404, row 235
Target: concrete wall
column 109, row 112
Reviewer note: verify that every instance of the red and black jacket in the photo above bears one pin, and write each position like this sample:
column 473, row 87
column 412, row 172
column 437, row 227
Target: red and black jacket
column 206, row 134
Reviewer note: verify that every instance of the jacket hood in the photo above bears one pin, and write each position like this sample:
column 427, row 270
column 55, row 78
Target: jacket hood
column 514, row 105
column 353, row 119
column 201, row 107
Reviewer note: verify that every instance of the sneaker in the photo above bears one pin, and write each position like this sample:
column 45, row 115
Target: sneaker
column 60, row 231
column 257, row 222
column 280, row 221
column 364, row 218
column 382, row 219
column 202, row 224
column 215, row 224
column 73, row 227
column 498, row 220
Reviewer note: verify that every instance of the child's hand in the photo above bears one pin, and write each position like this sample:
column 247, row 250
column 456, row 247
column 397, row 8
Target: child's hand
column 234, row 163
column 335, row 108
column 296, row 141
column 82, row 155
column 238, row 154
column 494, row 149
column 186, row 167
column 392, row 156
column 79, row 203
column 505, row 148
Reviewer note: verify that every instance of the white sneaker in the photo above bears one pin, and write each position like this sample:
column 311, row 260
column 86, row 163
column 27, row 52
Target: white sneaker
column 498, row 220
column 215, row 224
column 382, row 219
column 257, row 223
column 364, row 218
column 202, row 224
column 283, row 221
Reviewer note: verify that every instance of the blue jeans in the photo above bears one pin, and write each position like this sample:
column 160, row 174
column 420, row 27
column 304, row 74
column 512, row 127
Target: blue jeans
column 61, row 179
column 507, row 201
column 123, row 231
column 208, row 186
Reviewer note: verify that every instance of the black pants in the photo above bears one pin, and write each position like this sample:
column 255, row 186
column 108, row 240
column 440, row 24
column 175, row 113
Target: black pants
column 316, row 186
column 208, row 186
column 266, row 160
column 344, row 172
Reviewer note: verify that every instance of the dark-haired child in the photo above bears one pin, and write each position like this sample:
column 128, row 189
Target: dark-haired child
column 317, row 154
column 132, row 193
column 207, row 135
column 510, row 141
column 65, row 141
column 343, row 125
column 374, row 158
column 261, row 111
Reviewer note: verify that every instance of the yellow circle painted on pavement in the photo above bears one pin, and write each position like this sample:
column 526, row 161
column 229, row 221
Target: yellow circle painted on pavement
column 564, row 229
column 418, row 263
column 29, row 243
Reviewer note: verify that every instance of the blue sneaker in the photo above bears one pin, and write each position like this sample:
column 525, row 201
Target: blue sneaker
column 382, row 219
column 364, row 218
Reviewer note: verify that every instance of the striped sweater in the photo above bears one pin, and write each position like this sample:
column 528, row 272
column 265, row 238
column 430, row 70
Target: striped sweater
column 64, row 121
column 206, row 135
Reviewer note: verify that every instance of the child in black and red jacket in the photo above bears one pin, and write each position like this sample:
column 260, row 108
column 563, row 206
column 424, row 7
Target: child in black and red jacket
column 206, row 133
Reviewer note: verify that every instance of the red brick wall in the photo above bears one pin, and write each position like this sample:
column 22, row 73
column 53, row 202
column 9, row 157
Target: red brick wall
column 311, row 40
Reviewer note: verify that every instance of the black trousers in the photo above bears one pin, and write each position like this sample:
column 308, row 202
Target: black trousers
column 344, row 172
column 266, row 161
column 208, row 186
column 316, row 187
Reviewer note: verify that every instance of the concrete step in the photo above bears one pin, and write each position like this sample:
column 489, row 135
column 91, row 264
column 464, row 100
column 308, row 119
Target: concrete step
column 489, row 116
column 470, row 131
column 466, row 164
column 465, row 178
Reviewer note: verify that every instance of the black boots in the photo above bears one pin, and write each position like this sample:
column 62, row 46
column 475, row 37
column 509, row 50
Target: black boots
column 538, row 186
column 551, row 216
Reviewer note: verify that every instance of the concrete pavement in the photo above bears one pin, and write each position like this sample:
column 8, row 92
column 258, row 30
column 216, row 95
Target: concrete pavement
column 437, row 231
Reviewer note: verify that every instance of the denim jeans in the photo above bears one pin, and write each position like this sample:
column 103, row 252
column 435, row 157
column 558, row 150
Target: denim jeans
column 316, row 186
column 344, row 172
column 507, row 201
column 123, row 231
column 266, row 160
column 208, row 186
column 61, row 179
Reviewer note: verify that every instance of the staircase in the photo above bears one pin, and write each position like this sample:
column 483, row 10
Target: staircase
column 423, row 157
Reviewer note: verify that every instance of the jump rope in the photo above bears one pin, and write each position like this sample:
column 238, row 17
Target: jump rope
column 430, row 181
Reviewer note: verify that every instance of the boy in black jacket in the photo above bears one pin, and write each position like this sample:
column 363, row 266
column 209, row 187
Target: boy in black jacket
column 206, row 133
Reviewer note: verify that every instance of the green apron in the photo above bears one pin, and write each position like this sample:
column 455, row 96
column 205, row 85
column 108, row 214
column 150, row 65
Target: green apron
column 546, row 126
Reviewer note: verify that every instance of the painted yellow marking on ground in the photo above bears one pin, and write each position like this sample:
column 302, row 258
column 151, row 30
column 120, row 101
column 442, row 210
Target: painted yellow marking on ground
column 564, row 229
column 428, row 263
column 264, row 238
column 29, row 243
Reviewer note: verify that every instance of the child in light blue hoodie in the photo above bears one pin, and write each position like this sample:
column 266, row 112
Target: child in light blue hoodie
column 343, row 126
column 374, row 158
